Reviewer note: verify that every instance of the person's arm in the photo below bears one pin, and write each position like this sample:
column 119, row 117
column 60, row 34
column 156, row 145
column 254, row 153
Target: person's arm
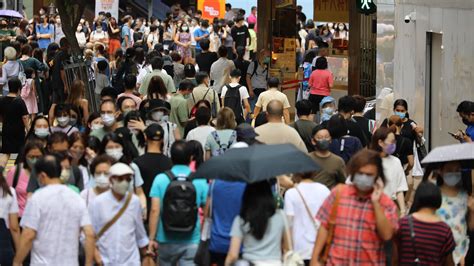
column 26, row 122
column 153, row 223
column 256, row 111
column 470, row 205
column 286, row 115
column 384, row 229
column 330, row 81
column 89, row 246
column 249, row 84
column 401, row 203
column 14, row 229
column 208, row 154
column 246, row 108
column 234, row 250
column 51, row 114
column 3, row 78
column 411, row 163
column 116, row 30
column 126, row 38
column 63, row 78
column 141, row 195
column 85, row 109
column 26, row 242
column 319, row 246
column 177, row 134
column 448, row 260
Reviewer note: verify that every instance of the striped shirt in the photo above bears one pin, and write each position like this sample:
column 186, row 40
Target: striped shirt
column 432, row 243
column 356, row 241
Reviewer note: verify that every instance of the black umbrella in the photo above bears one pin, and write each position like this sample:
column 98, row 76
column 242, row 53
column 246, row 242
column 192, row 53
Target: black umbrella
column 257, row 163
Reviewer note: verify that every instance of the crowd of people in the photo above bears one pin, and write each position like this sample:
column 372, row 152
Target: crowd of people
column 117, row 186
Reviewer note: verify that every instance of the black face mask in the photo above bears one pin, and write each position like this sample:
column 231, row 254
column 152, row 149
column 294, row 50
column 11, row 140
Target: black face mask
column 466, row 122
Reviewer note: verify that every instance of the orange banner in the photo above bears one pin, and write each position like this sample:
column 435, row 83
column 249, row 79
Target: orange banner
column 212, row 8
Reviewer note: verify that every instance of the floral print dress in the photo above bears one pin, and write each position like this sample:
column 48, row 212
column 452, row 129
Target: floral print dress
column 453, row 211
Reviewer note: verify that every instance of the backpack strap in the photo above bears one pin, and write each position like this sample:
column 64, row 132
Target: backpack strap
column 16, row 176
column 116, row 217
column 255, row 66
column 232, row 138
column 216, row 138
column 170, row 175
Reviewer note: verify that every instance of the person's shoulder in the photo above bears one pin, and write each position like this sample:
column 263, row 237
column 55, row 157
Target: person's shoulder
column 336, row 158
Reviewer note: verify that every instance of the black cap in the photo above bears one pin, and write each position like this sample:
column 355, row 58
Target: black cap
column 158, row 104
column 154, row 132
column 245, row 131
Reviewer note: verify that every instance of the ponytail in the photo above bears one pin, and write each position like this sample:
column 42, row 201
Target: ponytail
column 3, row 184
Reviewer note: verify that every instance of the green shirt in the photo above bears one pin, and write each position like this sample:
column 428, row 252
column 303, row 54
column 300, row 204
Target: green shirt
column 167, row 80
column 4, row 33
column 179, row 111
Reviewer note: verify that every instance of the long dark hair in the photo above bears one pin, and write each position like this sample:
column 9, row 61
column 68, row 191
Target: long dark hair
column 427, row 195
column 381, row 134
column 31, row 132
column 3, row 184
column 196, row 151
column 258, row 206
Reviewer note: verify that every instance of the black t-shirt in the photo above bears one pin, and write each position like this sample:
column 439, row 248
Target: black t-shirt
column 356, row 131
column 240, row 35
column 150, row 165
column 364, row 125
column 58, row 65
column 242, row 65
column 205, row 60
column 12, row 110
column 404, row 149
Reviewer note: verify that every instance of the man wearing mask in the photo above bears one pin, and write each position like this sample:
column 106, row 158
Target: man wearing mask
column 126, row 33
column 201, row 34
column 257, row 75
column 157, row 65
column 204, row 92
column 240, row 34
column 179, row 112
column 49, row 213
column 109, row 114
column 332, row 166
column 120, row 244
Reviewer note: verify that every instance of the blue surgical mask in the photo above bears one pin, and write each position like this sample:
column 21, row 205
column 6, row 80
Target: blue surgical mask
column 401, row 115
column 452, row 178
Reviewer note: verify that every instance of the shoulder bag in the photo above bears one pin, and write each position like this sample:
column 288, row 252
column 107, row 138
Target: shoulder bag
column 332, row 224
column 203, row 256
column 115, row 218
column 290, row 258
column 311, row 216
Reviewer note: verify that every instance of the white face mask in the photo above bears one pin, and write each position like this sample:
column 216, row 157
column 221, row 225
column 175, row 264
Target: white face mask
column 157, row 116
column 184, row 28
column 63, row 121
column 96, row 126
column 115, row 153
column 41, row 132
column 99, row 30
column 102, row 181
column 65, row 174
column 108, row 119
column 120, row 187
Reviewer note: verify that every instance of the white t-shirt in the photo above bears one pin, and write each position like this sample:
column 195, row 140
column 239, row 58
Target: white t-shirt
column 395, row 180
column 88, row 195
column 144, row 71
column 244, row 94
column 8, row 205
column 153, row 38
column 303, row 230
column 200, row 134
column 57, row 214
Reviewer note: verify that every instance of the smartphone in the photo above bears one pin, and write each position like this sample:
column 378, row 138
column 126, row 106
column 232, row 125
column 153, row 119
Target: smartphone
column 452, row 134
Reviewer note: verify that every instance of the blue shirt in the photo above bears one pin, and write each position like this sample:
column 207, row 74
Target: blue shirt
column 198, row 33
column 40, row 29
column 470, row 131
column 126, row 32
column 158, row 189
column 226, row 201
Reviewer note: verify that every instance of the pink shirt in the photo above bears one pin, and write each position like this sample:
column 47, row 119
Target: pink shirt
column 321, row 82
column 21, row 193
column 252, row 19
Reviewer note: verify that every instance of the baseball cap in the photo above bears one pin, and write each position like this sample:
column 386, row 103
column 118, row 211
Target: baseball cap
column 245, row 131
column 154, row 132
column 120, row 169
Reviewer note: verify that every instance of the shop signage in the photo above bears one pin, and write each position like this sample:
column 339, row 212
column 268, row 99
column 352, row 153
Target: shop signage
column 332, row 10
column 111, row 6
column 211, row 8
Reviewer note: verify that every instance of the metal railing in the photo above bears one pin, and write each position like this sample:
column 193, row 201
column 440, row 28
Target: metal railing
column 82, row 70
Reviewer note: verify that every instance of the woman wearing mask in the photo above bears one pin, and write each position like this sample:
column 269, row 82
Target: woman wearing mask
column 321, row 82
column 383, row 141
column 81, row 36
column 192, row 123
column 183, row 41
column 99, row 35
column 94, row 123
column 326, row 34
column 457, row 207
column 9, row 229
column 404, row 150
column 121, row 150
column 99, row 170
column 224, row 136
column 365, row 216
column 77, row 148
column 153, row 38
column 19, row 176
column 433, row 242
column 75, row 99
column 114, row 36
column 39, row 130
column 168, row 34
column 258, row 232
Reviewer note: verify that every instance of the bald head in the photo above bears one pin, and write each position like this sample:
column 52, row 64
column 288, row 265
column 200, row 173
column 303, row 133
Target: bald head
column 275, row 109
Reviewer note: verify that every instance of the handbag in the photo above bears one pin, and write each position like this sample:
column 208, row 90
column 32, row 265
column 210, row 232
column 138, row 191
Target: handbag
column 203, row 256
column 115, row 218
column 311, row 216
column 290, row 258
column 420, row 148
column 332, row 223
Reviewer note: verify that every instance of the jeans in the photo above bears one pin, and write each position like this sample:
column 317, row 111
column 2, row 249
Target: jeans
column 253, row 101
column 177, row 254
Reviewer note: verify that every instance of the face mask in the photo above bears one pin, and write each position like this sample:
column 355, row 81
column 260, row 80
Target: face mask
column 184, row 28
column 328, row 110
column 341, row 27
column 452, row 178
column 400, row 114
column 99, row 30
column 65, row 173
column 96, row 126
column 363, row 182
column 73, row 121
column 63, row 121
column 325, row 32
column 390, row 148
column 108, row 119
column 120, row 187
column 115, row 153
column 322, row 145
column 102, row 181
column 157, row 116
column 31, row 162
column 133, row 131
column 266, row 60
column 41, row 132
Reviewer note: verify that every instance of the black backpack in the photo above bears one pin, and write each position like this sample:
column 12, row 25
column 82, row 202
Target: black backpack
column 233, row 100
column 179, row 205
